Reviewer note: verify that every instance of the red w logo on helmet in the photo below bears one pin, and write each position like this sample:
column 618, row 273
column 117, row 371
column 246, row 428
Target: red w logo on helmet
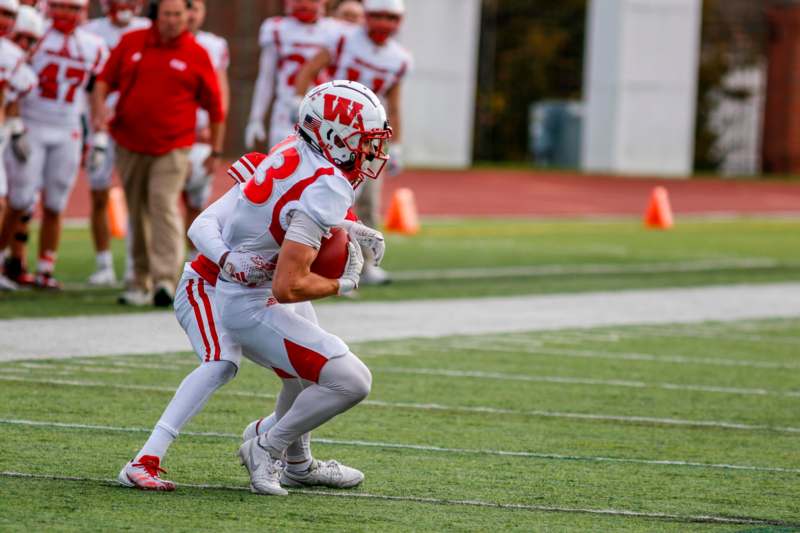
column 342, row 110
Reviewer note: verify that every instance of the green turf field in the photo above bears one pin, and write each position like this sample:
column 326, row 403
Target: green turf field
column 508, row 432
column 468, row 258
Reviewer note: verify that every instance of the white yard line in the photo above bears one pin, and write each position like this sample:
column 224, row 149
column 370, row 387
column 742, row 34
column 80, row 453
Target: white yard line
column 600, row 268
column 150, row 333
column 499, row 376
column 117, row 367
column 465, row 344
column 419, row 447
column 440, row 501
column 647, row 420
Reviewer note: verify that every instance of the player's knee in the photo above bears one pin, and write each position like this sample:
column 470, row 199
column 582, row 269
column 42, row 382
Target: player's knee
column 359, row 382
column 223, row 372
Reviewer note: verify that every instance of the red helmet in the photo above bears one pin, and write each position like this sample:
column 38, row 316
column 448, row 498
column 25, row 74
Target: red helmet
column 67, row 14
column 121, row 12
column 306, row 11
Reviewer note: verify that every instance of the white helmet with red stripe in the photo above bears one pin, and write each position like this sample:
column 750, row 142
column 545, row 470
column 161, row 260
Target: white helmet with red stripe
column 29, row 23
column 8, row 11
column 345, row 122
column 395, row 7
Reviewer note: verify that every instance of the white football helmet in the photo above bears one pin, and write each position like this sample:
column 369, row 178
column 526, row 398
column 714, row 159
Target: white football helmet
column 9, row 10
column 121, row 12
column 346, row 123
column 29, row 23
column 395, row 7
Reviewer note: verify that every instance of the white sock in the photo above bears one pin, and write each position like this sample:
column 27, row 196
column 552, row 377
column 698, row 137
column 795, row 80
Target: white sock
column 189, row 399
column 104, row 260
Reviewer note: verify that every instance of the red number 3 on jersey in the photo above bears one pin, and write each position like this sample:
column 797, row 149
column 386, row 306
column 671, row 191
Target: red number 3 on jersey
column 284, row 164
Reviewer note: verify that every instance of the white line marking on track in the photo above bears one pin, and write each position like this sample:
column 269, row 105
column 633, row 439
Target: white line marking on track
column 667, row 422
column 583, row 381
column 421, row 447
column 441, row 501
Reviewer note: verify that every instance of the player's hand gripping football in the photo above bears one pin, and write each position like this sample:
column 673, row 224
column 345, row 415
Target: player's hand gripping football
column 352, row 270
column 367, row 237
column 99, row 152
column 246, row 268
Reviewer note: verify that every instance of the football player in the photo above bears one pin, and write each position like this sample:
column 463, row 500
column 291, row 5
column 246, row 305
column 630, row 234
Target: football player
column 350, row 11
column 369, row 54
column 198, row 184
column 304, row 187
column 20, row 80
column 65, row 61
column 121, row 16
column 286, row 44
column 10, row 58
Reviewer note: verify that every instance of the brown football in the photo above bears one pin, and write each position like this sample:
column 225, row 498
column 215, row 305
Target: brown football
column 332, row 256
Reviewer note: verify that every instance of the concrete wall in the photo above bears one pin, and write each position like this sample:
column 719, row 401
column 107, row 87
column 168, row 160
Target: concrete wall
column 641, row 85
column 439, row 97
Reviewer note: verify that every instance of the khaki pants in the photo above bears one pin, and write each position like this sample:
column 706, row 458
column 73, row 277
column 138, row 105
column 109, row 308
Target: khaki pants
column 153, row 186
column 368, row 201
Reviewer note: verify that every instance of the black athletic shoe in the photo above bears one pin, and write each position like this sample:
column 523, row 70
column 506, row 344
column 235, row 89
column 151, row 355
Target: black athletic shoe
column 163, row 297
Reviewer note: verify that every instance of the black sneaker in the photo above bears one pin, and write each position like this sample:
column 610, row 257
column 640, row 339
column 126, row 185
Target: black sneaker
column 163, row 297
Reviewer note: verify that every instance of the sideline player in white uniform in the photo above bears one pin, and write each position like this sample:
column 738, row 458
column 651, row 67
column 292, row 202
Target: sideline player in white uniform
column 20, row 79
column 368, row 54
column 10, row 58
column 286, row 44
column 198, row 184
column 120, row 18
column 305, row 185
column 65, row 61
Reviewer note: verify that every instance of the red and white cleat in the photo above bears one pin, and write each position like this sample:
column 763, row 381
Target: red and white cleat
column 143, row 474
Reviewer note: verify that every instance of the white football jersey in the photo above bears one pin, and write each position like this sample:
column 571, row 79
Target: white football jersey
column 357, row 58
column 217, row 48
column 16, row 77
column 64, row 65
column 293, row 177
column 111, row 33
column 295, row 43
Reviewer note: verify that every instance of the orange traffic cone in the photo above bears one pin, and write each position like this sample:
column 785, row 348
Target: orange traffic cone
column 402, row 216
column 117, row 213
column 659, row 212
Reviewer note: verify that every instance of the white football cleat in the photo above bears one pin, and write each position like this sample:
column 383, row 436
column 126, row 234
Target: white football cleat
column 143, row 474
column 374, row 275
column 135, row 298
column 6, row 284
column 323, row 474
column 105, row 277
column 265, row 472
column 251, row 431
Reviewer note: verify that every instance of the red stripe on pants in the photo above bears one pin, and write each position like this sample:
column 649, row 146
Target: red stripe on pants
column 210, row 317
column 198, row 316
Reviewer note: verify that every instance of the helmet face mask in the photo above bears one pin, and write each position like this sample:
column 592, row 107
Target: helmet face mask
column 8, row 15
column 306, row 11
column 345, row 122
column 381, row 26
column 121, row 12
column 67, row 15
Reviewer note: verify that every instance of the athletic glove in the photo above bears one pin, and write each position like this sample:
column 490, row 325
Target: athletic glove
column 99, row 152
column 20, row 146
column 246, row 268
column 253, row 133
column 352, row 270
column 368, row 238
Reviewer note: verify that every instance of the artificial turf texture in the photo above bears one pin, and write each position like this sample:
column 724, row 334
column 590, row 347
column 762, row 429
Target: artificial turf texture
column 566, row 256
column 472, row 397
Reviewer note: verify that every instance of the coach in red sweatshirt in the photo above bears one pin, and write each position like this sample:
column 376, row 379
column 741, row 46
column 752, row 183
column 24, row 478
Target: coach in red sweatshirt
column 163, row 75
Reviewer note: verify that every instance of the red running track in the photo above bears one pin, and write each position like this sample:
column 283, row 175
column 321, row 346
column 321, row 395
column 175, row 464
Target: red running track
column 551, row 194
